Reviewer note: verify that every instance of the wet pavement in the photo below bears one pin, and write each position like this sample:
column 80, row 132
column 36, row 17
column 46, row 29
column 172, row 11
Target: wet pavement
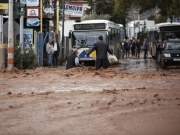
column 140, row 65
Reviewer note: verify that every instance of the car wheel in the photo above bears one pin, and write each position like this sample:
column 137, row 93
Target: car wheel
column 163, row 64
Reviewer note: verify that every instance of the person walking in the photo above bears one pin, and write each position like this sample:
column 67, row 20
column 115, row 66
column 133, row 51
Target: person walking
column 56, row 53
column 127, row 47
column 138, row 48
column 145, row 47
column 73, row 60
column 50, row 51
column 101, row 53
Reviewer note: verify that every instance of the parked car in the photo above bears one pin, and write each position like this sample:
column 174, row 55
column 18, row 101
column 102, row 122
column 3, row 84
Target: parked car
column 170, row 53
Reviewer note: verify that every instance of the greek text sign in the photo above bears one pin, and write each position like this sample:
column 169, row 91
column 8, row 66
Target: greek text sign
column 32, row 12
column 30, row 3
column 73, row 10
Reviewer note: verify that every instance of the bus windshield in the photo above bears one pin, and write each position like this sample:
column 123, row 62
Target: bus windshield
column 87, row 38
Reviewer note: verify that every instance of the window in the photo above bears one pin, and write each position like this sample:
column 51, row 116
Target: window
column 173, row 46
column 87, row 39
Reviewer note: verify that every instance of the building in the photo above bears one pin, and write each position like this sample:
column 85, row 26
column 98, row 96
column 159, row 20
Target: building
column 133, row 27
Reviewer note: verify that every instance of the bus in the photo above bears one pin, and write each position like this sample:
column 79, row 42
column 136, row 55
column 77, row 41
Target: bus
column 84, row 35
column 162, row 31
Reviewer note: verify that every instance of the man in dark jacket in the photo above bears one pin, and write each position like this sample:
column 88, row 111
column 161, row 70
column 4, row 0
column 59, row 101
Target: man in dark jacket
column 56, row 53
column 138, row 48
column 73, row 60
column 159, row 50
column 101, row 53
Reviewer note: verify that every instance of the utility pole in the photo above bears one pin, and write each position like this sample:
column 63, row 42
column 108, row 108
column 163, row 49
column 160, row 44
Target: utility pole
column 10, row 37
column 21, row 31
column 134, row 25
column 62, row 58
column 139, row 21
column 94, row 6
column 41, row 20
column 1, row 28
column 57, row 17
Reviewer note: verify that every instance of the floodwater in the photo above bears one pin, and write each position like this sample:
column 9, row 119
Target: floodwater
column 132, row 97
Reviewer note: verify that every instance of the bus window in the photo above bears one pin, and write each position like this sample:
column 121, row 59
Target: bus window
column 87, row 39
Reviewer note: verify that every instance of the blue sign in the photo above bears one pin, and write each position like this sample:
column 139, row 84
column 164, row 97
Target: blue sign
column 28, row 39
column 32, row 22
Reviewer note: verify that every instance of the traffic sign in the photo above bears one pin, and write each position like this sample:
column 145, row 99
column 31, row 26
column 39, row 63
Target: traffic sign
column 32, row 22
column 32, row 12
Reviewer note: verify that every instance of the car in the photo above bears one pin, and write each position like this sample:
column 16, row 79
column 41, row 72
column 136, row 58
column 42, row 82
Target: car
column 170, row 53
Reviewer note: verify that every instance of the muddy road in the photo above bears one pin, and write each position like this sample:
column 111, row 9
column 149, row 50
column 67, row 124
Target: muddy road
column 131, row 98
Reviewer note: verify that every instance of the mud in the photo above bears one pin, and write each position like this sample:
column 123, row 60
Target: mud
column 83, row 101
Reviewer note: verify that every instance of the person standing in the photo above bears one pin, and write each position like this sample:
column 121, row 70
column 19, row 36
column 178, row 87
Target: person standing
column 50, row 51
column 56, row 53
column 73, row 60
column 123, row 48
column 127, row 47
column 159, row 50
column 138, row 48
column 133, row 48
column 156, row 45
column 145, row 47
column 101, row 53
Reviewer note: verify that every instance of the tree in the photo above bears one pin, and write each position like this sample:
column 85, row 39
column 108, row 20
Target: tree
column 167, row 8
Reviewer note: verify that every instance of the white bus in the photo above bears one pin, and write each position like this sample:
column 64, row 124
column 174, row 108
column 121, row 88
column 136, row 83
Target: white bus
column 162, row 31
column 85, row 34
column 122, row 33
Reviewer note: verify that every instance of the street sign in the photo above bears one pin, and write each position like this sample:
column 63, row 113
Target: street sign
column 32, row 22
column 31, row 3
column 4, row 4
column 32, row 12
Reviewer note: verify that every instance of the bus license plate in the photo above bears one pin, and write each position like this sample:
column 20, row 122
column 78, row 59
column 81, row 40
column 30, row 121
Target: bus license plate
column 176, row 59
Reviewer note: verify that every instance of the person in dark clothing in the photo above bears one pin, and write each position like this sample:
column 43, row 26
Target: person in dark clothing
column 101, row 53
column 138, row 48
column 159, row 50
column 156, row 45
column 56, row 53
column 159, row 46
column 73, row 60
column 127, row 47
column 133, row 48
column 145, row 47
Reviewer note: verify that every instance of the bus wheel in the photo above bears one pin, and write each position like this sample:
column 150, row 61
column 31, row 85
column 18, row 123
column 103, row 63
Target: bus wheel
column 163, row 64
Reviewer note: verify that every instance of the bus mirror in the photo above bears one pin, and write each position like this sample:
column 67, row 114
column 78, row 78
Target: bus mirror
column 69, row 34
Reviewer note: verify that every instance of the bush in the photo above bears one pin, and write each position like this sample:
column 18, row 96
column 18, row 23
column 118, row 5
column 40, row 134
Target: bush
column 25, row 60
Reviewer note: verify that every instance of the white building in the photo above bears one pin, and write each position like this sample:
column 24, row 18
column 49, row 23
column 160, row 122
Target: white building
column 132, row 30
